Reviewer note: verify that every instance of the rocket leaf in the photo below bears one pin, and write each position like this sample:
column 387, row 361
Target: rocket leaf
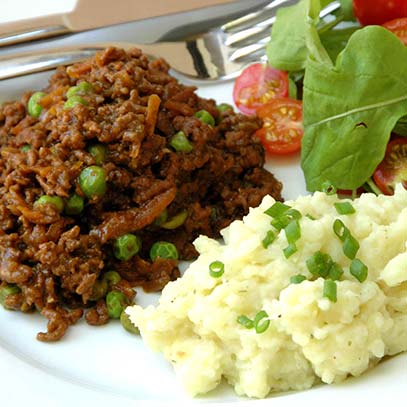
column 351, row 108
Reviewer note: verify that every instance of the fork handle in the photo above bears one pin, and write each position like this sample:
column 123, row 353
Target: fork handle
column 28, row 63
column 184, row 57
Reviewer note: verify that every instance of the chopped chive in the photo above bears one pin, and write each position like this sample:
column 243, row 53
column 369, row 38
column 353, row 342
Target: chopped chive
column 344, row 208
column 330, row 290
column 261, row 322
column 335, row 272
column 293, row 214
column 290, row 250
column 340, row 229
column 319, row 264
column 309, row 216
column 350, row 247
column 359, row 270
column 328, row 188
column 277, row 209
column 297, row 279
column 245, row 321
column 292, row 231
column 280, row 223
column 216, row 269
column 269, row 239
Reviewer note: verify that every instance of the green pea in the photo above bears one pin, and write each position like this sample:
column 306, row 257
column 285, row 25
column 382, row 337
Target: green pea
column 127, row 324
column 164, row 250
column 26, row 148
column 176, row 221
column 99, row 290
column 10, row 289
column 75, row 100
column 99, row 152
column 126, row 246
column 57, row 201
column 111, row 277
column 116, row 302
column 81, row 89
column 179, row 142
column 74, row 205
column 33, row 107
column 92, row 181
column 205, row 117
column 223, row 107
column 161, row 218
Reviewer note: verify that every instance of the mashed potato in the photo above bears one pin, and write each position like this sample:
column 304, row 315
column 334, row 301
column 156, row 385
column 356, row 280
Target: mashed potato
column 310, row 338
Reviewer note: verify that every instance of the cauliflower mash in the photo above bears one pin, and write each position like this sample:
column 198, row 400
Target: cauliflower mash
column 313, row 326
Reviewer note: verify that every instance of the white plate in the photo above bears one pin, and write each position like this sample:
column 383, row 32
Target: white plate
column 106, row 366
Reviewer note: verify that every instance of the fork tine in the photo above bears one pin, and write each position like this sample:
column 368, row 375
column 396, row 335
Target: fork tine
column 248, row 33
column 262, row 27
column 254, row 17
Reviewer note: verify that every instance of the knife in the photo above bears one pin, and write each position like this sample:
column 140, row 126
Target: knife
column 90, row 14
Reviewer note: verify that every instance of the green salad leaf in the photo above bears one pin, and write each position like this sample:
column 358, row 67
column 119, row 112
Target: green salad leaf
column 351, row 108
column 287, row 49
column 335, row 41
column 347, row 10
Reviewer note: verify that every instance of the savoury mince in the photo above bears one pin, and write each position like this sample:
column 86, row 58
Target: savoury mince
column 273, row 322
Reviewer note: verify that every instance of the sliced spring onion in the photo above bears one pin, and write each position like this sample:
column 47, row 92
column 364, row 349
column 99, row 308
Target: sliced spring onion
column 359, row 270
column 309, row 216
column 335, row 272
column 293, row 231
column 282, row 221
column 245, row 321
column 344, row 208
column 277, row 209
column 216, row 269
column 319, row 264
column 297, row 279
column 350, row 244
column 269, row 239
column 328, row 188
column 290, row 250
column 340, row 229
column 350, row 247
column 330, row 290
column 261, row 322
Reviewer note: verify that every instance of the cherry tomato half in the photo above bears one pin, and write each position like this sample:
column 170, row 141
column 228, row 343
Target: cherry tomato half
column 398, row 27
column 393, row 168
column 258, row 84
column 379, row 11
column 282, row 129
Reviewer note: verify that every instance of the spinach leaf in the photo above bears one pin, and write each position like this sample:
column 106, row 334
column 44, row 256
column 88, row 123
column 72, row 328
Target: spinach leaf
column 350, row 109
column 335, row 41
column 287, row 49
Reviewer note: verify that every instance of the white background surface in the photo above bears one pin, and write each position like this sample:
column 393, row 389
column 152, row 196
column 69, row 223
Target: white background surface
column 107, row 367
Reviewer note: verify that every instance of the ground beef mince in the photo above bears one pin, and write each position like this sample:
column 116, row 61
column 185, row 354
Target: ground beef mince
column 116, row 114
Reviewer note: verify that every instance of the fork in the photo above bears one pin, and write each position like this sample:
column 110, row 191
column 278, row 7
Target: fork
column 219, row 54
